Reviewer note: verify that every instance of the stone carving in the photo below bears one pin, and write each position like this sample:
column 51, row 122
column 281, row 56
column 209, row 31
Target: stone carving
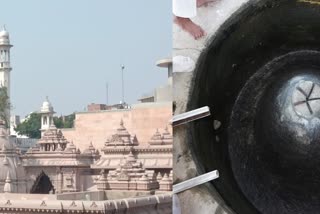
column 52, row 140
column 8, row 203
column 156, row 139
column 93, row 204
column 166, row 183
column 167, row 137
column 73, row 204
column 130, row 176
column 121, row 138
column 161, row 139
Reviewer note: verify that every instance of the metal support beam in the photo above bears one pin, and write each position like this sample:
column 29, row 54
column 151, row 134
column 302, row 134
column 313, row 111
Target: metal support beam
column 190, row 116
column 188, row 184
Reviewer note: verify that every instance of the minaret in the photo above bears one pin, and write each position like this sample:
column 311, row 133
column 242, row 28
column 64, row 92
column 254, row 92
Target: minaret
column 46, row 115
column 5, row 66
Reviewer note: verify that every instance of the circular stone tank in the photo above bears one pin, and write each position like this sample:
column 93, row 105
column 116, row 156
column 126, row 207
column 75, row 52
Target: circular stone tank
column 260, row 76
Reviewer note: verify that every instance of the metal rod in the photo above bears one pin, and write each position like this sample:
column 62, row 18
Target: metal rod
column 190, row 116
column 107, row 93
column 122, row 68
column 188, row 184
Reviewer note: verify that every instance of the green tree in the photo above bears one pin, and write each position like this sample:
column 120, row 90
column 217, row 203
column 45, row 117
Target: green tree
column 5, row 106
column 64, row 121
column 58, row 122
column 69, row 121
column 31, row 126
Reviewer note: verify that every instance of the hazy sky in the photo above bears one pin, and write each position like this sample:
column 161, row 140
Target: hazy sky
column 69, row 49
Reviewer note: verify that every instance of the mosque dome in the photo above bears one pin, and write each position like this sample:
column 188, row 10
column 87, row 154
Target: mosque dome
column 4, row 33
column 4, row 37
column 46, row 106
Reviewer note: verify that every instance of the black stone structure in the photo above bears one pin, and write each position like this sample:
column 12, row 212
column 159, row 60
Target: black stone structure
column 260, row 75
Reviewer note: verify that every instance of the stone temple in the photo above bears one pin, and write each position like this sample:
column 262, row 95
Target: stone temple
column 55, row 176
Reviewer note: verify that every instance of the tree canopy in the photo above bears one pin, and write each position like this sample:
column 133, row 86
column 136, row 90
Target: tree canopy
column 4, row 106
column 31, row 126
column 64, row 121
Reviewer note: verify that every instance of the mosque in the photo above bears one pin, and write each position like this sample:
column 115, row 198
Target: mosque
column 54, row 175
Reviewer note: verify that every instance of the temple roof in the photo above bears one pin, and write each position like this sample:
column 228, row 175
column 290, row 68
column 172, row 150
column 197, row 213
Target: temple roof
column 53, row 136
column 161, row 139
column 122, row 137
column 71, row 148
column 167, row 136
column 90, row 149
column 156, row 138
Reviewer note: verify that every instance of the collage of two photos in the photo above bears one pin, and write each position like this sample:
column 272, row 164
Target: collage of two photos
column 160, row 107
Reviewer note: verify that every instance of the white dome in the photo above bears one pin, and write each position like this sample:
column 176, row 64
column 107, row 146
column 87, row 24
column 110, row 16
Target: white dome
column 4, row 33
column 46, row 106
column 4, row 37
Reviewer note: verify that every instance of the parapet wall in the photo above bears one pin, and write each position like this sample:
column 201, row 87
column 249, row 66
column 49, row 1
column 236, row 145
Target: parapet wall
column 104, row 195
column 148, row 204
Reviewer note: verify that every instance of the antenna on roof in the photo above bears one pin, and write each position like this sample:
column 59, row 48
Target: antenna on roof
column 122, row 68
column 107, row 93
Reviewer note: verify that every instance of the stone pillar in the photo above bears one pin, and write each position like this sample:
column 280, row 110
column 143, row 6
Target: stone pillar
column 59, row 180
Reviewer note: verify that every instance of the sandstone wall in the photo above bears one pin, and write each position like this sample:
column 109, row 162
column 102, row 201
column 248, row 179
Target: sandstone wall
column 142, row 119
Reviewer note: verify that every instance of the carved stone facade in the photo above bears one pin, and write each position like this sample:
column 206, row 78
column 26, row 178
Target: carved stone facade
column 129, row 176
column 55, row 165
column 141, row 167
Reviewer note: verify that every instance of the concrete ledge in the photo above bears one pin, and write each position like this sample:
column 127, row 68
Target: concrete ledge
column 146, row 204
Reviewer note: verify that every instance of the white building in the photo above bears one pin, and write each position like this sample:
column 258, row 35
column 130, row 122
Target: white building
column 5, row 66
column 14, row 122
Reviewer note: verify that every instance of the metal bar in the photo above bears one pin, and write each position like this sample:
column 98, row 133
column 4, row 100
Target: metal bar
column 190, row 116
column 188, row 184
column 122, row 68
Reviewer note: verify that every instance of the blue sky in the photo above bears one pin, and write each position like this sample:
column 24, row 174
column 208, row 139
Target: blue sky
column 68, row 50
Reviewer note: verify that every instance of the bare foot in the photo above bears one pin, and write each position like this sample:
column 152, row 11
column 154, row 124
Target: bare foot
column 203, row 2
column 186, row 24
